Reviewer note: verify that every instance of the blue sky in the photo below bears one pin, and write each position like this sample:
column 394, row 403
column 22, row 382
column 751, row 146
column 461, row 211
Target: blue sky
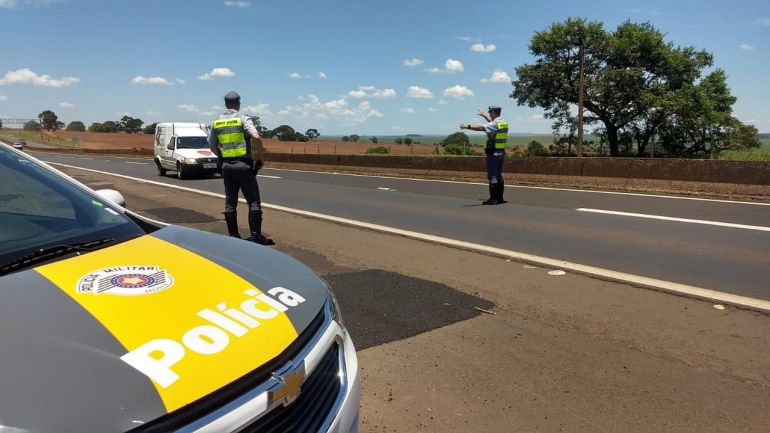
column 366, row 67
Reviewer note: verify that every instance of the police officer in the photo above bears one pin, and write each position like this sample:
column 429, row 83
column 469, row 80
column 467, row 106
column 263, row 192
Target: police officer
column 497, row 134
column 238, row 146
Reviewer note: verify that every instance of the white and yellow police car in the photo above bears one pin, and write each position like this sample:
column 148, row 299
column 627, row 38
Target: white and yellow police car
column 110, row 322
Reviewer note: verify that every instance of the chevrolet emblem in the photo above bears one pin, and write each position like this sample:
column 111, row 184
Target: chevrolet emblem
column 287, row 388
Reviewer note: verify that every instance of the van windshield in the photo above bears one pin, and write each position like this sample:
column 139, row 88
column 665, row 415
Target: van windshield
column 192, row 143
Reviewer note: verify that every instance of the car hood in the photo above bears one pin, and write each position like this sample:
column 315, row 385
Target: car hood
column 109, row 340
column 195, row 153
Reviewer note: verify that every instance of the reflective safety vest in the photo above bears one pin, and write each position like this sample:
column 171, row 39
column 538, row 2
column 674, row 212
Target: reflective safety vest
column 498, row 141
column 230, row 135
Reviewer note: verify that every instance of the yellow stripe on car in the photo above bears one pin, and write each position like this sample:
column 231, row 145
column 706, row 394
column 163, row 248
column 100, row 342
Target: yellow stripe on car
column 190, row 325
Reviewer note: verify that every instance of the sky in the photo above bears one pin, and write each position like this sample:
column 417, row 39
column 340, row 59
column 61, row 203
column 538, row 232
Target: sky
column 366, row 67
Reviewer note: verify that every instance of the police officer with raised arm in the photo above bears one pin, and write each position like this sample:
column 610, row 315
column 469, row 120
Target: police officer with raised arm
column 497, row 134
column 235, row 141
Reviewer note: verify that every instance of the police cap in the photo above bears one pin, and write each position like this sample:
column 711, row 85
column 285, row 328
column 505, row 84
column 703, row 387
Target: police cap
column 494, row 108
column 232, row 98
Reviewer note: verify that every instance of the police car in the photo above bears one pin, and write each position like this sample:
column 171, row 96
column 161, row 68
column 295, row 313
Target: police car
column 110, row 322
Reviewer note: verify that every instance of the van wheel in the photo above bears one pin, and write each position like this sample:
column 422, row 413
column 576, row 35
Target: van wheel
column 180, row 174
column 161, row 170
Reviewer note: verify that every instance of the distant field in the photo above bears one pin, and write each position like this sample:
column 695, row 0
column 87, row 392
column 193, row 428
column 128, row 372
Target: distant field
column 765, row 143
column 476, row 138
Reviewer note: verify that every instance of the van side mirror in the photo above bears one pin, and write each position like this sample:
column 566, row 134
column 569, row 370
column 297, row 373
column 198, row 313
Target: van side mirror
column 171, row 144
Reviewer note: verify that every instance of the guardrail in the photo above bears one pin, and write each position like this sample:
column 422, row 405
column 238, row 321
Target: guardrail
column 692, row 170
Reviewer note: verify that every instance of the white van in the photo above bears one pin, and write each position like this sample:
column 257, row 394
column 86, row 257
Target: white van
column 184, row 148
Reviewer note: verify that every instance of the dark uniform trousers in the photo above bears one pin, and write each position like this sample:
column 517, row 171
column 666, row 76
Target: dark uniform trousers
column 238, row 176
column 495, row 161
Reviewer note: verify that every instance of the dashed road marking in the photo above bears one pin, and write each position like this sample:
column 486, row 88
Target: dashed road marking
column 681, row 220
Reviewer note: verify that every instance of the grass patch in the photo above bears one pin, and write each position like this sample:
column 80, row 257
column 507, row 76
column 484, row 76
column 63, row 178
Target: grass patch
column 761, row 154
column 36, row 137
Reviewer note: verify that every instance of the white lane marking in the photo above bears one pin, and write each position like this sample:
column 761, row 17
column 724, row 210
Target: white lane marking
column 633, row 194
column 606, row 274
column 681, row 220
column 557, row 273
column 269, row 177
column 138, row 163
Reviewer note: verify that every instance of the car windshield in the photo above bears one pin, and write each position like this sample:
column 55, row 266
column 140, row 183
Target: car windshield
column 192, row 143
column 40, row 210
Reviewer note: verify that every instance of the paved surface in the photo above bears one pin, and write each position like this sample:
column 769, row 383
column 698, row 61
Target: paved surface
column 558, row 353
column 535, row 221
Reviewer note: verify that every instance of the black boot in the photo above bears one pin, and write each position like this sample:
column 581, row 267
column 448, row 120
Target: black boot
column 255, row 226
column 492, row 200
column 231, row 218
column 500, row 191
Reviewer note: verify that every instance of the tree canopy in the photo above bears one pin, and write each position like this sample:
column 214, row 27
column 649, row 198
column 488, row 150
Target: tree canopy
column 77, row 126
column 638, row 88
column 49, row 121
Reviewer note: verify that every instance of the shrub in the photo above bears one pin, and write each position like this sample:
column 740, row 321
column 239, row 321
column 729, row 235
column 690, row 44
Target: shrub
column 379, row 150
column 746, row 155
column 535, row 148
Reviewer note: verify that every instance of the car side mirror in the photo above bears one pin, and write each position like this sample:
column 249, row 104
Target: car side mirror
column 112, row 196
column 170, row 144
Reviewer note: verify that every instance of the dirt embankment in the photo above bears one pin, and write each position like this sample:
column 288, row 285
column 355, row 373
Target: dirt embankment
column 99, row 140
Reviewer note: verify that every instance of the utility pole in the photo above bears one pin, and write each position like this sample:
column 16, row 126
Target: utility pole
column 580, row 104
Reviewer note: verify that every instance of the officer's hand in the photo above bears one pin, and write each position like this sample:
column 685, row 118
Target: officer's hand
column 481, row 113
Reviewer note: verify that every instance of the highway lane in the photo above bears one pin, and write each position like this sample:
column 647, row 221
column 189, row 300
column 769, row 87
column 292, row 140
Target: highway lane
column 543, row 222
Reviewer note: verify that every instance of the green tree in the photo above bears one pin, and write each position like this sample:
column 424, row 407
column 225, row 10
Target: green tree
column 535, row 148
column 48, row 120
column 408, row 141
column 284, row 133
column 312, row 134
column 629, row 74
column 457, row 139
column 150, row 129
column 399, row 140
column 77, row 126
column 32, row 126
column 130, row 125
column 345, row 138
column 257, row 122
column 374, row 140
column 298, row 136
column 354, row 138
column 110, row 126
column 1, row 124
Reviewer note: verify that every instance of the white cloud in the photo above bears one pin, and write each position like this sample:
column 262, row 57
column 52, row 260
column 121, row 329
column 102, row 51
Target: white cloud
column 407, row 110
column 181, row 81
column 458, row 92
column 366, row 88
column 432, row 110
column 8, row 4
column 217, row 73
column 189, row 108
column 481, row 48
column 498, row 77
column 418, row 92
column 237, row 4
column 357, row 94
column 152, row 113
column 3, row 98
column 442, row 102
column 464, row 38
column 65, row 104
column 764, row 22
column 150, row 81
column 451, row 66
column 313, row 109
column 384, row 94
column 295, row 75
column 217, row 108
column 413, row 62
column 25, row 76
column 321, row 76
column 746, row 47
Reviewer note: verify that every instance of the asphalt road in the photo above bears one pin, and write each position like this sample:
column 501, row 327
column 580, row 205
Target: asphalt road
column 723, row 246
column 454, row 341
